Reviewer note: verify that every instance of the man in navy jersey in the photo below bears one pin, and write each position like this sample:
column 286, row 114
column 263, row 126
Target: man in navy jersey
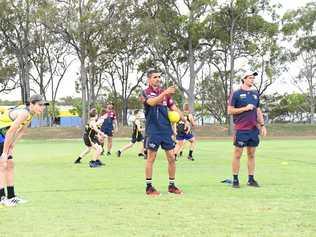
column 109, row 125
column 159, row 132
column 248, row 120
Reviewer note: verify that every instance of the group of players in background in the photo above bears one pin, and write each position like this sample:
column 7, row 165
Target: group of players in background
column 100, row 127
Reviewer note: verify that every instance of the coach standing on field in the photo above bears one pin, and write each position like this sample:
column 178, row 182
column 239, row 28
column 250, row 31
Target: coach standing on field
column 248, row 120
column 157, row 101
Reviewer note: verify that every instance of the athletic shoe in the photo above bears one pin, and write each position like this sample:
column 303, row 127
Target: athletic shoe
column 93, row 164
column 119, row 153
column 108, row 153
column 18, row 200
column 174, row 189
column 98, row 162
column 151, row 191
column 180, row 154
column 253, row 183
column 190, row 158
column 236, row 184
column 8, row 202
column 141, row 155
column 77, row 161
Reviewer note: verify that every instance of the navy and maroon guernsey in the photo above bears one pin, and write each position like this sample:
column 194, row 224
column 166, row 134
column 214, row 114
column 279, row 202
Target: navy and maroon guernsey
column 157, row 122
column 109, row 117
column 241, row 98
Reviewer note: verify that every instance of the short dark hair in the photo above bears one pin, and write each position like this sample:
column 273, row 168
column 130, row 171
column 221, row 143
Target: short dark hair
column 136, row 111
column 93, row 113
column 151, row 71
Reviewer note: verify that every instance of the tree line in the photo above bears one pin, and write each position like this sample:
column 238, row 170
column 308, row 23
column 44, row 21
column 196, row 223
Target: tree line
column 201, row 46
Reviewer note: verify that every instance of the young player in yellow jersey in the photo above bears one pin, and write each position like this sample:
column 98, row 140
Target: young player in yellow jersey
column 13, row 124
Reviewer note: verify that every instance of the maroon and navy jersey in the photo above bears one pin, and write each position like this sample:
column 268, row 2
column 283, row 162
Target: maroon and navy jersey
column 240, row 98
column 107, row 124
column 157, row 121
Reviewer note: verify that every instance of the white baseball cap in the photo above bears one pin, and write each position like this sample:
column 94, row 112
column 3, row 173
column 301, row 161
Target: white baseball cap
column 249, row 73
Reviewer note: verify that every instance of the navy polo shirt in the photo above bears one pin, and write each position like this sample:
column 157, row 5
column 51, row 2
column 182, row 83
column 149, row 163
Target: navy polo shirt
column 157, row 122
column 240, row 98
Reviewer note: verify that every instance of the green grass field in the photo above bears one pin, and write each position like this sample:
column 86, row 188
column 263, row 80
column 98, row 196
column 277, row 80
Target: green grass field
column 74, row 200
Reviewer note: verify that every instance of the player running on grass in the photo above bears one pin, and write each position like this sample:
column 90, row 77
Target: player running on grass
column 90, row 138
column 137, row 135
column 182, row 135
column 109, row 125
column 248, row 120
column 158, row 129
column 13, row 124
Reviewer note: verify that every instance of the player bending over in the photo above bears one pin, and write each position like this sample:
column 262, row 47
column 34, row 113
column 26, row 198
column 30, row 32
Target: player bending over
column 91, row 140
column 185, row 135
column 13, row 125
column 137, row 135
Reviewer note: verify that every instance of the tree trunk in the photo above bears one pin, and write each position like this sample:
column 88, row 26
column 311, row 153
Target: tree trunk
column 191, row 97
column 125, row 108
column 232, row 65
column 83, row 79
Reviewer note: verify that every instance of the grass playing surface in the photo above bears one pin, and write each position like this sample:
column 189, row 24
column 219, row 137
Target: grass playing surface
column 74, row 200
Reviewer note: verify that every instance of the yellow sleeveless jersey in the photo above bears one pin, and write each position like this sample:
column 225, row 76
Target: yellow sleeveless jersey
column 6, row 121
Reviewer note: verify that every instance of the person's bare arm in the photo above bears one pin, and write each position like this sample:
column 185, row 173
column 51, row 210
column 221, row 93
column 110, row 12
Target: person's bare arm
column 186, row 123
column 20, row 133
column 192, row 120
column 153, row 101
column 234, row 111
column 260, row 121
column 12, row 132
column 260, row 117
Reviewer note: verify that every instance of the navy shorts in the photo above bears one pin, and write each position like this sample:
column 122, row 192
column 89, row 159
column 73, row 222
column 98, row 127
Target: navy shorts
column 185, row 136
column 154, row 141
column 248, row 138
column 108, row 132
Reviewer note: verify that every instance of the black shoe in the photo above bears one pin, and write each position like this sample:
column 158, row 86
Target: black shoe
column 180, row 154
column 108, row 153
column 253, row 183
column 190, row 158
column 77, row 161
column 236, row 184
column 98, row 162
column 141, row 155
column 119, row 153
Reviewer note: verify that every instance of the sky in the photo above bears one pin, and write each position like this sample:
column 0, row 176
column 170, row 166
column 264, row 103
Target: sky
column 282, row 85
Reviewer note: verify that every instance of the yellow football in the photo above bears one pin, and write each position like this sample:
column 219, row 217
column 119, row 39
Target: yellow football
column 173, row 116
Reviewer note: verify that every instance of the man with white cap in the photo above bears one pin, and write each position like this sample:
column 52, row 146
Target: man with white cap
column 13, row 124
column 248, row 123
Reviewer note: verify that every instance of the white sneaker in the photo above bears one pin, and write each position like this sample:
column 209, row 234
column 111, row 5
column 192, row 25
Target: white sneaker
column 18, row 200
column 8, row 202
